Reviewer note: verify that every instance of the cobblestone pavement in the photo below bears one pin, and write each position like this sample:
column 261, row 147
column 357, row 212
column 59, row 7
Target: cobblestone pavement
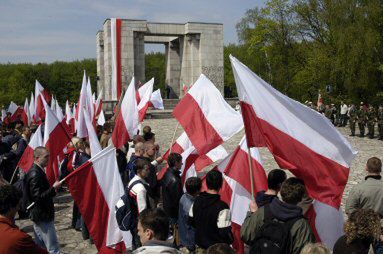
column 71, row 241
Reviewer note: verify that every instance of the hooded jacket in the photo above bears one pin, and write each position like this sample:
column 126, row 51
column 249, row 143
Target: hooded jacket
column 300, row 232
column 155, row 246
column 212, row 220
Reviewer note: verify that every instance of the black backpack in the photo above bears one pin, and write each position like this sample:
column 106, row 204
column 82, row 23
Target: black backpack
column 127, row 210
column 274, row 236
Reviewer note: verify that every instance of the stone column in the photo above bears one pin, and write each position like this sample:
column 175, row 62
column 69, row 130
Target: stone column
column 100, row 62
column 173, row 65
column 139, row 57
column 107, row 61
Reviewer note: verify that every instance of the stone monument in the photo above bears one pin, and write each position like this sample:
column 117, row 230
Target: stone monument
column 190, row 49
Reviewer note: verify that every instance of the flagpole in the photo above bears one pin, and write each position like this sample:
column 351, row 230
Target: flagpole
column 14, row 173
column 251, row 173
column 33, row 203
column 174, row 134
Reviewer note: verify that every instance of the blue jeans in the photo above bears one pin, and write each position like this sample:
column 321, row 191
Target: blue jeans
column 378, row 247
column 46, row 237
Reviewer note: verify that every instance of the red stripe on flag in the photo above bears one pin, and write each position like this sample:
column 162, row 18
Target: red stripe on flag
column 142, row 112
column 253, row 136
column 201, row 133
column 118, row 56
column 87, row 193
column 202, row 162
column 176, row 148
column 238, row 168
column 120, row 134
column 324, row 178
column 311, row 217
column 26, row 161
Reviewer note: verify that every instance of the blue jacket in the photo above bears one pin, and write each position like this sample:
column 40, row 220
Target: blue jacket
column 186, row 231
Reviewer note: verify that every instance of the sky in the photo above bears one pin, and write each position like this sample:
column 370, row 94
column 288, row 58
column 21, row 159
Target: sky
column 64, row 30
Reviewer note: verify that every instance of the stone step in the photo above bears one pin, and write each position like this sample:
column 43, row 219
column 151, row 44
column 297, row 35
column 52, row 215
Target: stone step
column 159, row 114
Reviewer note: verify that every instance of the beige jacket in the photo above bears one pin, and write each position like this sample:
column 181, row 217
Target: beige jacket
column 368, row 195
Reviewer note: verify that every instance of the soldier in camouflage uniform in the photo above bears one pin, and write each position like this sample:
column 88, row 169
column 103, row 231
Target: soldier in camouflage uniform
column 371, row 118
column 352, row 117
column 380, row 122
column 361, row 118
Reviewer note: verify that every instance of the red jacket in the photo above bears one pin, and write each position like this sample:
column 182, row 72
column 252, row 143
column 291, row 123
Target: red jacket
column 15, row 241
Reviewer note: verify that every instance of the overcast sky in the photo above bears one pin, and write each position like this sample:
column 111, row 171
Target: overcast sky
column 49, row 30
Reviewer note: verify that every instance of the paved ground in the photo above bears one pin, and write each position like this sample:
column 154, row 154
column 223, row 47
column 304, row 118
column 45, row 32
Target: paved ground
column 71, row 240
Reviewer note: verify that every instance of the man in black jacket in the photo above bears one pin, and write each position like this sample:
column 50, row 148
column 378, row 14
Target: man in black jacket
column 41, row 193
column 210, row 215
column 172, row 187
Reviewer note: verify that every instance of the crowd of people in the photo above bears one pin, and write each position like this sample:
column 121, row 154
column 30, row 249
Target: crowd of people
column 166, row 216
column 366, row 116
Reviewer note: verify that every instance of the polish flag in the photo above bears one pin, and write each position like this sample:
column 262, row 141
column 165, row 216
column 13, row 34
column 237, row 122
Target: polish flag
column 3, row 114
column 95, row 146
column 32, row 109
column 53, row 104
column 181, row 145
column 25, row 116
column 55, row 140
column 115, row 29
column 206, row 117
column 27, row 159
column 98, row 103
column 127, row 120
column 145, row 93
column 82, row 104
column 40, row 93
column 156, row 100
column 101, row 118
column 301, row 140
column 59, row 112
column 89, row 100
column 69, row 118
column 194, row 163
column 96, row 187
column 236, row 189
column 15, row 111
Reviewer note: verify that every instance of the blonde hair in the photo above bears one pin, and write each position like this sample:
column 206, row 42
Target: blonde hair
column 315, row 248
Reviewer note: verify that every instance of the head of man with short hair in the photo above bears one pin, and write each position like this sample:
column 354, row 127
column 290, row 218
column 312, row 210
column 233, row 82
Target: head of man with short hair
column 153, row 224
column 275, row 178
column 139, row 149
column 214, row 180
column 150, row 136
column 143, row 168
column 10, row 198
column 193, row 186
column 374, row 166
column 41, row 156
column 146, row 129
column 220, row 248
column 293, row 190
column 26, row 131
column 150, row 149
column 175, row 161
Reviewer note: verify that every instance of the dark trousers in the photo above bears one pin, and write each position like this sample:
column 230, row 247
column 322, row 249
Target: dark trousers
column 136, row 242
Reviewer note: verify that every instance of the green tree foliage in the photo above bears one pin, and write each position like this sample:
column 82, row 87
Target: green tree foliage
column 63, row 79
column 155, row 66
column 302, row 46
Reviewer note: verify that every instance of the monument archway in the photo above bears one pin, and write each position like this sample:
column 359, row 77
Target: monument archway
column 190, row 49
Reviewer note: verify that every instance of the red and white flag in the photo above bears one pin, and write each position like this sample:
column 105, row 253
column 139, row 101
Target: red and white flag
column 89, row 100
column 127, row 120
column 206, row 117
column 59, row 112
column 98, row 103
column 27, row 159
column 300, row 139
column 82, row 104
column 25, row 116
column 156, row 100
column 69, row 118
column 55, row 140
column 181, row 145
column 41, row 93
column 145, row 93
column 32, row 109
column 115, row 29
column 96, row 187
column 101, row 118
column 15, row 111
column 236, row 190
column 95, row 146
